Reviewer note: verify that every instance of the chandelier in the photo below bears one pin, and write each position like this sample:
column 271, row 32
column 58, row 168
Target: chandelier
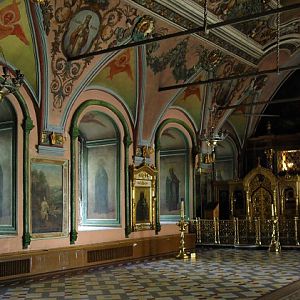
column 10, row 82
column 212, row 136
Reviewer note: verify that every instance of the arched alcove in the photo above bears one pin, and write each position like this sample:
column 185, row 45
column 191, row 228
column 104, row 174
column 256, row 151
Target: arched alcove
column 8, row 138
column 174, row 172
column 99, row 157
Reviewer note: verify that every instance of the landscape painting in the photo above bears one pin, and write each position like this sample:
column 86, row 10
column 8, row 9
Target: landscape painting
column 49, row 209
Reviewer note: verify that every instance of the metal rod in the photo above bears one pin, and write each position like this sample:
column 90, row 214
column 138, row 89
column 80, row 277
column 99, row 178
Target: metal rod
column 188, row 31
column 258, row 115
column 232, row 77
column 275, row 101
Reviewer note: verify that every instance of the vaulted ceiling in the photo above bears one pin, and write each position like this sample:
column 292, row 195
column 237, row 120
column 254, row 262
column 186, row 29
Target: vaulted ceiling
column 43, row 41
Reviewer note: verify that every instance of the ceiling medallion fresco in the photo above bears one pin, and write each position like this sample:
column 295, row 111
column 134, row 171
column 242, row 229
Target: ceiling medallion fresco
column 81, row 29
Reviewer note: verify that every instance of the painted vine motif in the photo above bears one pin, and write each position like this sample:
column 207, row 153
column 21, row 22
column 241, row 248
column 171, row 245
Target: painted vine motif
column 176, row 59
column 81, row 29
column 47, row 12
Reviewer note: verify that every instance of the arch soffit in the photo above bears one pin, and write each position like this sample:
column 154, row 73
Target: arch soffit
column 180, row 114
column 101, row 101
column 102, row 106
column 106, row 112
column 180, row 125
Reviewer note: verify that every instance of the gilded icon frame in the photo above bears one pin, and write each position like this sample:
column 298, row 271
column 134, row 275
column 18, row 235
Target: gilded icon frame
column 143, row 197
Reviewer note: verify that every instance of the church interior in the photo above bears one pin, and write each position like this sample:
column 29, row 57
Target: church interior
column 149, row 149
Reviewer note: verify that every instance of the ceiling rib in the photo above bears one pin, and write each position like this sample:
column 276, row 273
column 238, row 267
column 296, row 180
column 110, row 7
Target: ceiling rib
column 232, row 77
column 189, row 31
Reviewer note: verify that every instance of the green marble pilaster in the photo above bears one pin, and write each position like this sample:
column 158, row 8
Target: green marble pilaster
column 157, row 224
column 74, row 135
column 27, row 127
column 127, row 142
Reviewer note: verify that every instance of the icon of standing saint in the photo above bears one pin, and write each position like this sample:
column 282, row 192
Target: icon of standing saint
column 82, row 31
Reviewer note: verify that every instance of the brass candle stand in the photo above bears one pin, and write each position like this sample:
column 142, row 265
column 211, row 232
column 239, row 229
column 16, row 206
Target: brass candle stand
column 275, row 243
column 182, row 227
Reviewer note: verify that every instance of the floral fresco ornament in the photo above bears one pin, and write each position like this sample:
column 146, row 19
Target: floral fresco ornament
column 102, row 4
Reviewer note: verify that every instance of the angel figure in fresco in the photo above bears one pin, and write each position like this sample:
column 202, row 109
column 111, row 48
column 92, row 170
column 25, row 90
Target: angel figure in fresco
column 101, row 191
column 172, row 190
column 79, row 37
column 120, row 64
column 9, row 18
column 142, row 210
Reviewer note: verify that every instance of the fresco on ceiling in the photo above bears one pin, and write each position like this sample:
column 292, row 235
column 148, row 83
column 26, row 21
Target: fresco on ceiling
column 239, row 118
column 15, row 38
column 186, row 22
column 229, row 92
column 191, row 101
column 239, row 121
column 119, row 77
column 260, row 30
column 176, row 59
column 80, row 29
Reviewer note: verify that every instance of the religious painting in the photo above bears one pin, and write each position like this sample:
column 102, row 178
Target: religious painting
column 143, row 197
column 172, row 183
column 7, row 196
column 100, row 190
column 49, row 198
column 81, row 33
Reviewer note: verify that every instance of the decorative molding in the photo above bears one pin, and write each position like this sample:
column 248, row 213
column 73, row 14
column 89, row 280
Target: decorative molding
column 165, row 13
column 52, row 151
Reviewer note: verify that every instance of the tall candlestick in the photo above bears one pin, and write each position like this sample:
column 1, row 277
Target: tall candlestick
column 182, row 209
column 272, row 207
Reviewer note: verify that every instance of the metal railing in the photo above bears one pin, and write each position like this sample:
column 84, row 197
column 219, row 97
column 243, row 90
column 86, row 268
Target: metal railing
column 244, row 232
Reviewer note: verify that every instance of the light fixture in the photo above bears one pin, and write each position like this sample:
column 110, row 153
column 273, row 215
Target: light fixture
column 212, row 136
column 10, row 82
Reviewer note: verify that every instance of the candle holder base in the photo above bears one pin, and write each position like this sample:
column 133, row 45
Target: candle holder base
column 275, row 247
column 182, row 254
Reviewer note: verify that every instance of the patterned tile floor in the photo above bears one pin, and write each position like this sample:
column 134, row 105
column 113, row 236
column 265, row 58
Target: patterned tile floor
column 214, row 274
